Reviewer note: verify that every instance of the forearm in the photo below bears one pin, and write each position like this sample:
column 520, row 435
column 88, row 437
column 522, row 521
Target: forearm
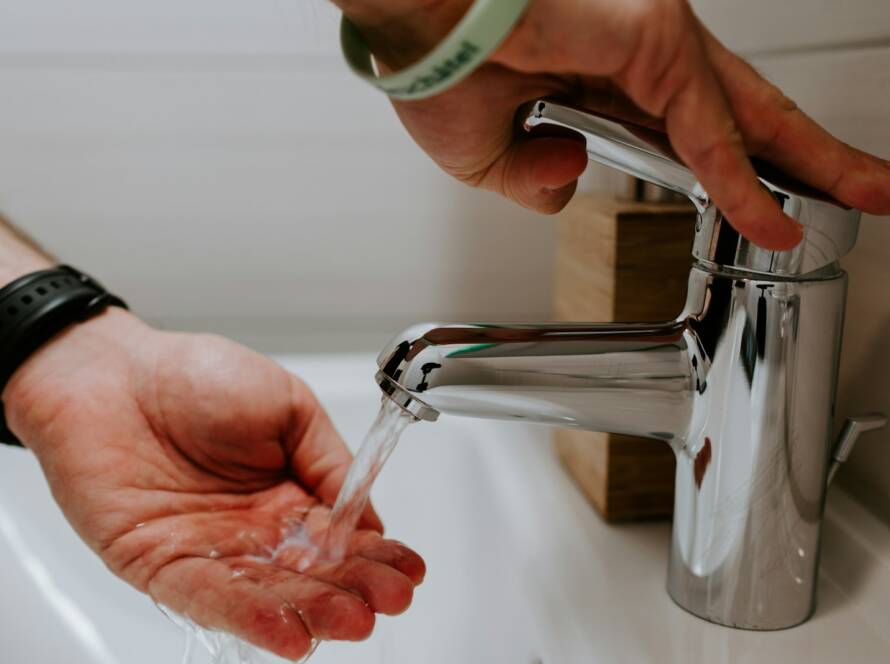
column 93, row 341
column 19, row 254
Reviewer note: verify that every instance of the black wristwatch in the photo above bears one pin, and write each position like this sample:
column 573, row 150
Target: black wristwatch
column 35, row 308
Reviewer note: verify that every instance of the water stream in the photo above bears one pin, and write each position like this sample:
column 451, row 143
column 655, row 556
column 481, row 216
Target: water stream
column 299, row 550
column 379, row 442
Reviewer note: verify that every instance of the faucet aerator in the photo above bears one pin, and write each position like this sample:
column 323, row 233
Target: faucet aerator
column 405, row 400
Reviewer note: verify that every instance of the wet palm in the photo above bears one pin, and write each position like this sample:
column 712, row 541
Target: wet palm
column 180, row 460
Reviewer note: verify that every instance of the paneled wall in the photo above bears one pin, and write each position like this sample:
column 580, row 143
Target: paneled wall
column 833, row 59
column 215, row 162
column 758, row 27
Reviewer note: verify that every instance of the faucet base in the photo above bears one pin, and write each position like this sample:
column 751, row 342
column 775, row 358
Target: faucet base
column 687, row 604
column 751, row 474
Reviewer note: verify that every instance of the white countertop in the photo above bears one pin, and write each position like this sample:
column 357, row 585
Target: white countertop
column 595, row 592
column 521, row 569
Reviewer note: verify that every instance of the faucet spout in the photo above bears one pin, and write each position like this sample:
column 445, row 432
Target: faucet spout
column 633, row 379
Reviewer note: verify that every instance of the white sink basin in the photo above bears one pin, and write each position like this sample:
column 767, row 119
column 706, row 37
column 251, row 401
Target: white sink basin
column 521, row 571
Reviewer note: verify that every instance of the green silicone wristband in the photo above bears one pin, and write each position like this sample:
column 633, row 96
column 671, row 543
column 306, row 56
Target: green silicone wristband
column 484, row 28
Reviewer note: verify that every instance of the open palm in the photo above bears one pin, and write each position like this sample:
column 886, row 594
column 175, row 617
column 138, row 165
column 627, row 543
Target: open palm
column 183, row 461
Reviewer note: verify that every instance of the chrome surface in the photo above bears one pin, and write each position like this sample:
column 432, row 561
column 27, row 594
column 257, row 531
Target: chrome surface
column 741, row 385
column 625, row 379
column 852, row 432
column 405, row 400
column 830, row 229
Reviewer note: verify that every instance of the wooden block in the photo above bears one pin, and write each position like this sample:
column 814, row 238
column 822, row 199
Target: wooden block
column 621, row 261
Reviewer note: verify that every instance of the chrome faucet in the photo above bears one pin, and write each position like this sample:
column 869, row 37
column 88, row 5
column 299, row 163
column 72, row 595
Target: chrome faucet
column 741, row 384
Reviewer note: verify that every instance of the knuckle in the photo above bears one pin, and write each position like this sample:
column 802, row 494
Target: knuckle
column 364, row 621
column 397, row 598
column 783, row 101
column 473, row 179
column 663, row 62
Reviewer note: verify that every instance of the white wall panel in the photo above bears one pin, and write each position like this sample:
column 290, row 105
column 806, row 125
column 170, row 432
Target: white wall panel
column 753, row 26
column 244, row 182
column 259, row 201
column 191, row 101
column 213, row 161
column 177, row 26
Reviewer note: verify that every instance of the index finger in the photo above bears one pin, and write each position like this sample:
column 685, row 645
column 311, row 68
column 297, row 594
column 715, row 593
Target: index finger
column 774, row 128
column 703, row 132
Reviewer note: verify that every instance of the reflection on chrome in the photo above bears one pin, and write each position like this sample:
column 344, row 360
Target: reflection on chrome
column 741, row 385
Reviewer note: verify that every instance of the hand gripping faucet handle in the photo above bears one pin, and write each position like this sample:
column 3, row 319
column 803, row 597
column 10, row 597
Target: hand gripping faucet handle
column 830, row 229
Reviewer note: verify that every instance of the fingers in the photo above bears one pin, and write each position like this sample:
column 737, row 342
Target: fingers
column 383, row 588
column 319, row 457
column 206, row 592
column 383, row 573
column 329, row 613
column 370, row 545
column 284, row 602
column 654, row 52
column 280, row 610
column 686, row 92
column 774, row 128
column 470, row 132
column 540, row 174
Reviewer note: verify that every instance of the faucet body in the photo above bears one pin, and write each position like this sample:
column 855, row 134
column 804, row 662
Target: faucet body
column 741, row 385
column 751, row 471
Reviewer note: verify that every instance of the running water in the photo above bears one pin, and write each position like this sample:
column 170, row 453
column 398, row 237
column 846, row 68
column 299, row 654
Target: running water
column 298, row 550
column 380, row 441
column 204, row 646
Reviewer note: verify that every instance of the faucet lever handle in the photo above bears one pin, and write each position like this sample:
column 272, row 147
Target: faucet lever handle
column 830, row 228
column 853, row 429
column 638, row 151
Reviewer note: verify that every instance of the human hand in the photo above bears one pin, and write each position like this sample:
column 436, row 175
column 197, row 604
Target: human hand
column 649, row 61
column 180, row 458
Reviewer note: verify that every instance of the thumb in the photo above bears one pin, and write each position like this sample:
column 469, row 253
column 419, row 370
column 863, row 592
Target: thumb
column 540, row 173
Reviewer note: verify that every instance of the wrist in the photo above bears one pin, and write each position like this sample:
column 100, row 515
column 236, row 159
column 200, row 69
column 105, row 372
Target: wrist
column 62, row 370
column 400, row 32
column 368, row 13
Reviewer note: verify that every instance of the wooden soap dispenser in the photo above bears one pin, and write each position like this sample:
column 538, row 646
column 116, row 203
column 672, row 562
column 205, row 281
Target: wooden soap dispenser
column 622, row 258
